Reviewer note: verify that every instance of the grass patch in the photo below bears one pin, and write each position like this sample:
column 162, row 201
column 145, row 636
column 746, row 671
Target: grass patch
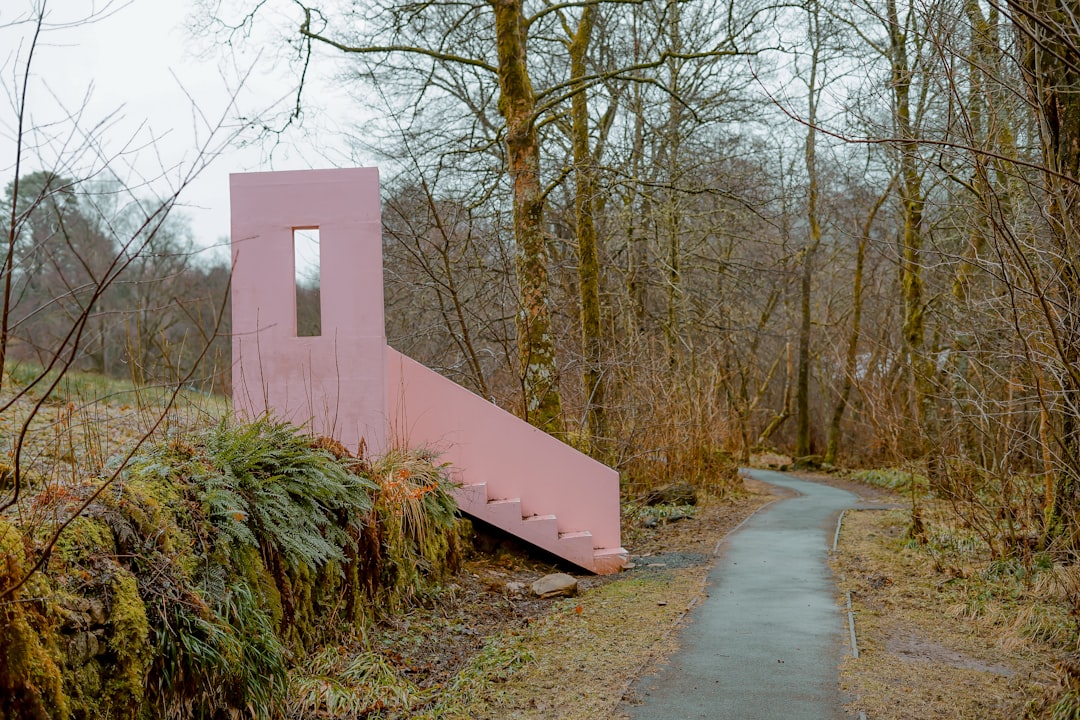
column 899, row 480
column 945, row 629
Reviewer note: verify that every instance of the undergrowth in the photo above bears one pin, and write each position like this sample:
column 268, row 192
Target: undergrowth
column 219, row 561
column 980, row 536
column 349, row 685
column 897, row 479
column 640, row 512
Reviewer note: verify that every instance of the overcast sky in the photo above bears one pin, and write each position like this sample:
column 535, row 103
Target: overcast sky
column 150, row 79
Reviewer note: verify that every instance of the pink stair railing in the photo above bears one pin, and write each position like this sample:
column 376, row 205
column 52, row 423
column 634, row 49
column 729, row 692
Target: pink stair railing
column 346, row 383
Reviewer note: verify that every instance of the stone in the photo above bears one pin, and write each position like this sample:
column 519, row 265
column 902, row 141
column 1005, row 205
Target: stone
column 679, row 494
column 96, row 610
column 94, row 646
column 555, row 586
column 81, row 648
column 102, row 644
column 72, row 621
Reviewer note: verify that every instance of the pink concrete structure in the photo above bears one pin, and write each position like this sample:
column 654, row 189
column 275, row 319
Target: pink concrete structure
column 513, row 476
column 322, row 382
column 348, row 384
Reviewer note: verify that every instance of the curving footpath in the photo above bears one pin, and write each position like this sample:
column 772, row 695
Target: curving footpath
column 766, row 642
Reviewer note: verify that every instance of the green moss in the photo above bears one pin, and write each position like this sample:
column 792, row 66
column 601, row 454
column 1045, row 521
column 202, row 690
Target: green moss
column 129, row 644
column 262, row 583
column 30, row 681
column 83, row 538
column 85, row 691
column 153, row 503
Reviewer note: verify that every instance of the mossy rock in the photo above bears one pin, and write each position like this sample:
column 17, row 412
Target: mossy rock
column 83, row 538
column 31, row 685
column 808, row 462
column 129, row 646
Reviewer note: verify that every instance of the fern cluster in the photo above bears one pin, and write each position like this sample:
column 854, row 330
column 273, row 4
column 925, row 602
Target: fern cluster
column 249, row 545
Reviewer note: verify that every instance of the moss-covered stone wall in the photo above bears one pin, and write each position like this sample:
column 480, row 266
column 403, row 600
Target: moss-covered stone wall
column 209, row 567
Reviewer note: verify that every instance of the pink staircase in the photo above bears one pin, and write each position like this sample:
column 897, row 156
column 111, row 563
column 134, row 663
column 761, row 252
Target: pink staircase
column 348, row 384
column 513, row 476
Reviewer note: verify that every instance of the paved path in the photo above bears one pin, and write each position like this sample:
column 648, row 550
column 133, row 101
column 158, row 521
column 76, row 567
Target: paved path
column 766, row 643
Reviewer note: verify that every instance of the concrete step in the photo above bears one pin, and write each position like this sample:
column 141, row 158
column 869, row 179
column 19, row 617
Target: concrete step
column 540, row 529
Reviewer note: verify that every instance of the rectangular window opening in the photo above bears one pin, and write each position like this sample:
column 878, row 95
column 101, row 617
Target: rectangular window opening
column 306, row 264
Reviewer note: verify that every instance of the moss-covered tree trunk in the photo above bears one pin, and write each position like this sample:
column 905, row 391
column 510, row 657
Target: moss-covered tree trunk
column 636, row 216
column 911, row 239
column 1049, row 40
column 785, row 412
column 832, row 447
column 588, row 251
column 802, row 390
column 517, row 104
column 673, row 212
column 802, row 383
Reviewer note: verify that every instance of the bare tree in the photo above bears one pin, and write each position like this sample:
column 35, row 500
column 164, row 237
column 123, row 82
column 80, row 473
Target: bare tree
column 64, row 254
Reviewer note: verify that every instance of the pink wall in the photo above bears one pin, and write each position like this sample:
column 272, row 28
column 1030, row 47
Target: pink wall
column 332, row 383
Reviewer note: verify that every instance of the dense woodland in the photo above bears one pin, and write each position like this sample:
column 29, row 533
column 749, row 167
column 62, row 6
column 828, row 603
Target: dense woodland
column 675, row 230
column 671, row 232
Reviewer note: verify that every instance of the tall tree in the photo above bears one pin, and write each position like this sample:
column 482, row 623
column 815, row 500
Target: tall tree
column 585, row 191
column 1049, row 42
column 517, row 104
column 813, row 220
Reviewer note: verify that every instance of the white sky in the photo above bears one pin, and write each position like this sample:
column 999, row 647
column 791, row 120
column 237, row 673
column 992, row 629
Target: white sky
column 140, row 61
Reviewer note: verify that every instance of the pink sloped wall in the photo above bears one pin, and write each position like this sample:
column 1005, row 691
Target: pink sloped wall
column 332, row 383
column 486, row 444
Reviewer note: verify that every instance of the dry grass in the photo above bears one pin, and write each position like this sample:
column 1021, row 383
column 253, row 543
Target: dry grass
column 590, row 647
column 923, row 653
column 87, row 419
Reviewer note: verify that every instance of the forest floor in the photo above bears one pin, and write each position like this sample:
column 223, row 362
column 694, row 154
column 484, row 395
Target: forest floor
column 575, row 657
column 919, row 657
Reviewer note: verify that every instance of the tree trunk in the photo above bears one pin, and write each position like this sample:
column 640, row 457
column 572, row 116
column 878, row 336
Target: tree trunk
column 912, row 201
column 588, row 253
column 802, row 385
column 672, row 210
column 785, row 412
column 517, row 104
column 851, row 359
column 802, row 391
column 1049, row 42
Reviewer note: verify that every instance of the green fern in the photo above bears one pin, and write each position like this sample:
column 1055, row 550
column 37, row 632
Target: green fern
column 268, row 478
column 250, row 545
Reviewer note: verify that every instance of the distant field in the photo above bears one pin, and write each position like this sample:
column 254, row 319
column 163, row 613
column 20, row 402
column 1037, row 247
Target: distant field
column 72, row 425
